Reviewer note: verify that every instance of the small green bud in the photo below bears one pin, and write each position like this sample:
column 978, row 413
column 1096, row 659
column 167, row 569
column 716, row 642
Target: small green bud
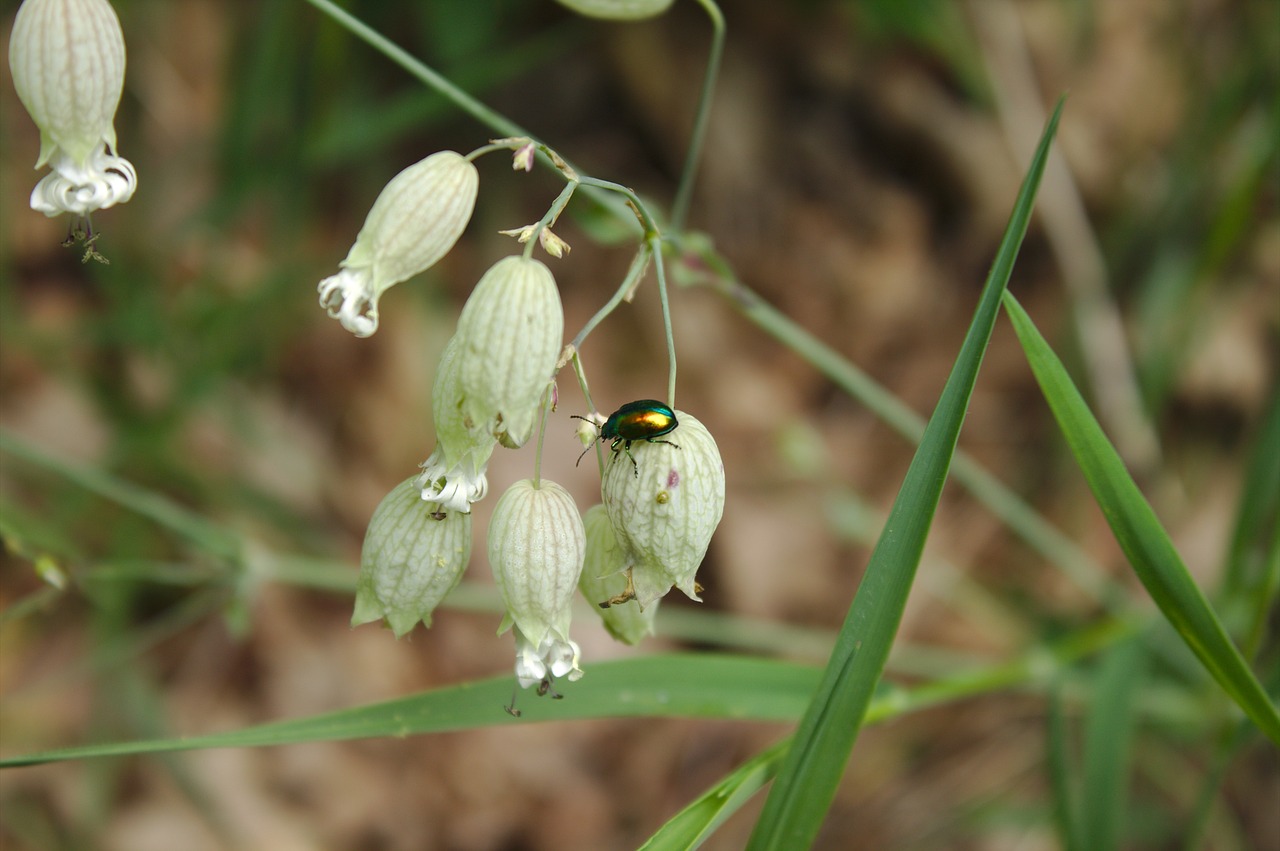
column 415, row 220
column 604, row 577
column 414, row 554
column 536, row 545
column 510, row 333
column 665, row 509
column 618, row 10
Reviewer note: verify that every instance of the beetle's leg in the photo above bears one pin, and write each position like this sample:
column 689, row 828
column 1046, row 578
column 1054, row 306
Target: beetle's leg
column 667, row 442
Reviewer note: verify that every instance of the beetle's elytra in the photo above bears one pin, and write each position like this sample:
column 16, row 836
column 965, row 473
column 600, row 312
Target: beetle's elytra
column 644, row 419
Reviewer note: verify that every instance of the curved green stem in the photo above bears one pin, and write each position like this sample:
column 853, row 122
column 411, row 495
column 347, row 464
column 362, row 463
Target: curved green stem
column 655, row 246
column 628, row 285
column 680, row 208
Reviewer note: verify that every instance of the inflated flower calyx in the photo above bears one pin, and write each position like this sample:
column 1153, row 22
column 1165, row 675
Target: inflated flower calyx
column 454, row 475
column 665, row 509
column 604, row 579
column 68, row 60
column 536, row 547
column 618, row 10
column 510, row 334
column 414, row 554
column 415, row 221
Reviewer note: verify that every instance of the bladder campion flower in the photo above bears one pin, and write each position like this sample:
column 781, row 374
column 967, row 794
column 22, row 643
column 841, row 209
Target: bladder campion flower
column 536, row 547
column 454, row 475
column 67, row 59
column 665, row 508
column 618, row 10
column 414, row 554
column 510, row 333
column 604, row 580
column 414, row 222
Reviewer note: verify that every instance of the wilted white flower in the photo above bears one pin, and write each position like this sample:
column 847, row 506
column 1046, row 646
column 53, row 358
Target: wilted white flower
column 509, row 335
column 665, row 509
column 414, row 222
column 68, row 59
column 618, row 10
column 536, row 546
column 604, row 580
column 414, row 554
column 454, row 475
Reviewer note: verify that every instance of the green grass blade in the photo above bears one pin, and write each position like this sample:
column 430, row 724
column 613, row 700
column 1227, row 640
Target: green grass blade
column 1108, row 739
column 807, row 781
column 1139, row 533
column 1065, row 811
column 692, row 826
column 685, row 685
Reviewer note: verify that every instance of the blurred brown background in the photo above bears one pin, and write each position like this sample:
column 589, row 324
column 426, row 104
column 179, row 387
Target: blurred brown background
column 862, row 161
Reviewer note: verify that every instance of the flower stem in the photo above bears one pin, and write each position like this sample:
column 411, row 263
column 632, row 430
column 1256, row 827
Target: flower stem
column 684, row 192
column 655, row 246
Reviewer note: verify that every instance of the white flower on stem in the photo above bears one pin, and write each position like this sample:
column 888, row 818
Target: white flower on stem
column 552, row 658
column 552, row 244
column 68, row 58
column 536, row 546
column 454, row 475
column 414, row 554
column 415, row 220
column 665, row 508
column 509, row 335
column 618, row 10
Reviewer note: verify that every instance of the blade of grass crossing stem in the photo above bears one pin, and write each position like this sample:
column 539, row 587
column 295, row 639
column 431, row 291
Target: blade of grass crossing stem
column 1108, row 736
column 693, row 825
column 1145, row 543
column 807, row 781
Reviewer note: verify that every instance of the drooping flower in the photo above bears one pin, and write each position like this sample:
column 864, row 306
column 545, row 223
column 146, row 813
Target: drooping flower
column 509, row 334
column 415, row 220
column 552, row 658
column 68, row 61
column 454, row 475
column 665, row 508
column 536, row 547
column 604, row 580
column 618, row 10
column 414, row 554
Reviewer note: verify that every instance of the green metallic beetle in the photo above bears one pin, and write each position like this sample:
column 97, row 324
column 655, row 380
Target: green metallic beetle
column 644, row 419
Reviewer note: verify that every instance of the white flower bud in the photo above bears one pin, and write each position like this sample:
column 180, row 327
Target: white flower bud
column 604, row 577
column 536, row 546
column 618, row 10
column 414, row 222
column 68, row 60
column 510, row 333
column 414, row 554
column 454, row 475
column 665, row 509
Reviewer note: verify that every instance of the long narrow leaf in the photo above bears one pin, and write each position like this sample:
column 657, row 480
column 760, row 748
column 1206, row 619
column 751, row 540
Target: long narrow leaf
column 807, row 781
column 709, row 686
column 692, row 826
column 1145, row 543
column 1107, row 747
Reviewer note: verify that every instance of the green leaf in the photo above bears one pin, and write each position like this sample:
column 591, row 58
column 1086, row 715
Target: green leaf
column 1145, row 543
column 807, row 781
column 685, row 685
column 1108, row 738
column 690, row 827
